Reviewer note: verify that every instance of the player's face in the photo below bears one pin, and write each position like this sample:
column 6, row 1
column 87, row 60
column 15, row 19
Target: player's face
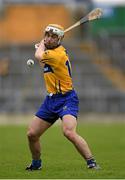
column 51, row 40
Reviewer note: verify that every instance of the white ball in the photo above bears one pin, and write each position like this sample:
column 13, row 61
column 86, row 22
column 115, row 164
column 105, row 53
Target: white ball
column 30, row 62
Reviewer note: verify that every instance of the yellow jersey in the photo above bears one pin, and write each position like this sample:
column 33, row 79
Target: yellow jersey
column 57, row 70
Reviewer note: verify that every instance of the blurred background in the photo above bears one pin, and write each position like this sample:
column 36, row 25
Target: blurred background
column 96, row 51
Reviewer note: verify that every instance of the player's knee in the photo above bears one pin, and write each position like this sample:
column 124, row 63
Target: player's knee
column 31, row 135
column 69, row 134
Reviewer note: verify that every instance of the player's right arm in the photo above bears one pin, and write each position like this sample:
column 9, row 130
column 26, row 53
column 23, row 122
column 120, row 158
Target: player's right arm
column 46, row 56
column 40, row 50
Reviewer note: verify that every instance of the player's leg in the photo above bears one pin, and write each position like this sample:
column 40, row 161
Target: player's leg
column 69, row 124
column 35, row 130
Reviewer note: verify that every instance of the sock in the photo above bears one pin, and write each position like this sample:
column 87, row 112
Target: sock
column 36, row 163
column 91, row 163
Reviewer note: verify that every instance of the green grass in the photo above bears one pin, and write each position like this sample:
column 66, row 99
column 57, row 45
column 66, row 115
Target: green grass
column 60, row 159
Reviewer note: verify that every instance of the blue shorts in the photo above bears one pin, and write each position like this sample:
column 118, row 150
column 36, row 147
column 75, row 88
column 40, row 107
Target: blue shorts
column 58, row 105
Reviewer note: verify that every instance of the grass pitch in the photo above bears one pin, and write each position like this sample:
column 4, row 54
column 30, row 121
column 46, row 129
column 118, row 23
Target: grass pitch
column 60, row 159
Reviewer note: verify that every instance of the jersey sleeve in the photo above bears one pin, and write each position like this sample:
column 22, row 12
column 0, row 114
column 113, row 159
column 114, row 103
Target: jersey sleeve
column 50, row 57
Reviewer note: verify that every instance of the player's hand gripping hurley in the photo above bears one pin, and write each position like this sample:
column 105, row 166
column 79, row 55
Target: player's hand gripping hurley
column 94, row 14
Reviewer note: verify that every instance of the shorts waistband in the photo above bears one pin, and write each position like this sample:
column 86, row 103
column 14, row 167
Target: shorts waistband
column 60, row 94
